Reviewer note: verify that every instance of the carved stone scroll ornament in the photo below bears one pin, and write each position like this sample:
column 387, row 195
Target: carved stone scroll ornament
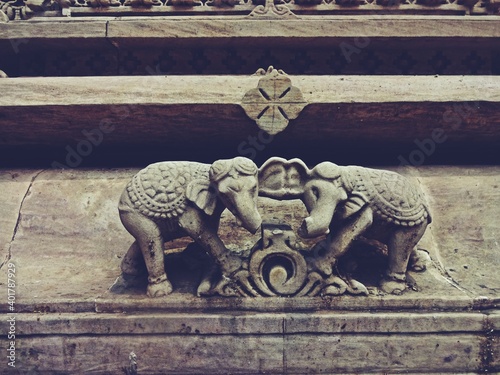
column 347, row 203
column 274, row 102
column 277, row 267
column 169, row 200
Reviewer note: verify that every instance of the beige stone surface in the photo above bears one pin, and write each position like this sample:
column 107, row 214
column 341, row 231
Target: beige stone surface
column 466, row 204
column 69, row 230
column 14, row 187
column 175, row 354
column 310, row 354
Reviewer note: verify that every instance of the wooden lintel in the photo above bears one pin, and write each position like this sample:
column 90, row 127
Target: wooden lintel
column 154, row 109
column 234, row 28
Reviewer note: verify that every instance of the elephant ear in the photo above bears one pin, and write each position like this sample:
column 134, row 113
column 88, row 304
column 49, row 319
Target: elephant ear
column 283, row 179
column 327, row 171
column 354, row 204
column 203, row 195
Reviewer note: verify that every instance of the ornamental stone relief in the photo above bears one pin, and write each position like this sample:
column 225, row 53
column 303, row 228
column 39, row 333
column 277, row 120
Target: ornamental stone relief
column 25, row 9
column 274, row 102
column 346, row 206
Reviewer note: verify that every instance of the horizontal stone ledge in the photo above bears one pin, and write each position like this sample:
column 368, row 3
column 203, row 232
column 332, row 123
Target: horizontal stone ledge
column 133, row 304
column 230, row 323
column 245, row 355
column 326, row 27
column 159, row 109
column 233, row 28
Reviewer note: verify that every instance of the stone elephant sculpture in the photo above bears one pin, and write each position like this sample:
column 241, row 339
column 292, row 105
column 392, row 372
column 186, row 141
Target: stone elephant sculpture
column 169, row 200
column 346, row 202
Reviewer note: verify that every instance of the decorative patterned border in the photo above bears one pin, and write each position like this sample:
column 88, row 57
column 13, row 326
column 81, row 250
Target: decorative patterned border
column 24, row 9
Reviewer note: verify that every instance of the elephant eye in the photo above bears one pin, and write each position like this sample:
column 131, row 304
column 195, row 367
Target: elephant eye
column 315, row 192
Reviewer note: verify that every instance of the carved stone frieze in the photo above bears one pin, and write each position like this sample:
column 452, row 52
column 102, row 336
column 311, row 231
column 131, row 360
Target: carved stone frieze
column 274, row 102
column 349, row 207
column 24, row 9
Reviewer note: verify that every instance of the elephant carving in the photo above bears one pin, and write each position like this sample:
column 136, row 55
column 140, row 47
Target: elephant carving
column 169, row 200
column 348, row 202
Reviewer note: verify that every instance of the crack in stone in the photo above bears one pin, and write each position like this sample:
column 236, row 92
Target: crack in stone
column 18, row 221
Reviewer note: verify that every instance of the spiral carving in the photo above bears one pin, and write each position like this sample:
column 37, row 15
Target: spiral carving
column 278, row 271
column 277, row 268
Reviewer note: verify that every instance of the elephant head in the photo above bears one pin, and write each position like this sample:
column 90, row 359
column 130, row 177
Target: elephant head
column 322, row 195
column 233, row 182
column 320, row 189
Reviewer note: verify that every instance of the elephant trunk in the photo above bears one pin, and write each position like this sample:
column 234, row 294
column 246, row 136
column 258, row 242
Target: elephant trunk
column 318, row 222
column 248, row 217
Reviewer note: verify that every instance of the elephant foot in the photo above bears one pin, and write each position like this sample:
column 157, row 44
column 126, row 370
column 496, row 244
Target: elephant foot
column 238, row 286
column 204, row 288
column 393, row 286
column 159, row 287
column 418, row 260
column 210, row 271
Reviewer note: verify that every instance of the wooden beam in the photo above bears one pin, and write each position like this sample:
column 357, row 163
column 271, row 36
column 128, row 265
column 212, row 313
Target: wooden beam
column 156, row 109
column 235, row 28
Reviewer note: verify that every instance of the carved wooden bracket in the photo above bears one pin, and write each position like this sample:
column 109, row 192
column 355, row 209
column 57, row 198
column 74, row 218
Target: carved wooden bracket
column 274, row 102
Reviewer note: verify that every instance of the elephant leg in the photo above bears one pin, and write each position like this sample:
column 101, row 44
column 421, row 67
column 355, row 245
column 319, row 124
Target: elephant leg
column 203, row 229
column 209, row 271
column 338, row 243
column 150, row 241
column 133, row 262
column 401, row 244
